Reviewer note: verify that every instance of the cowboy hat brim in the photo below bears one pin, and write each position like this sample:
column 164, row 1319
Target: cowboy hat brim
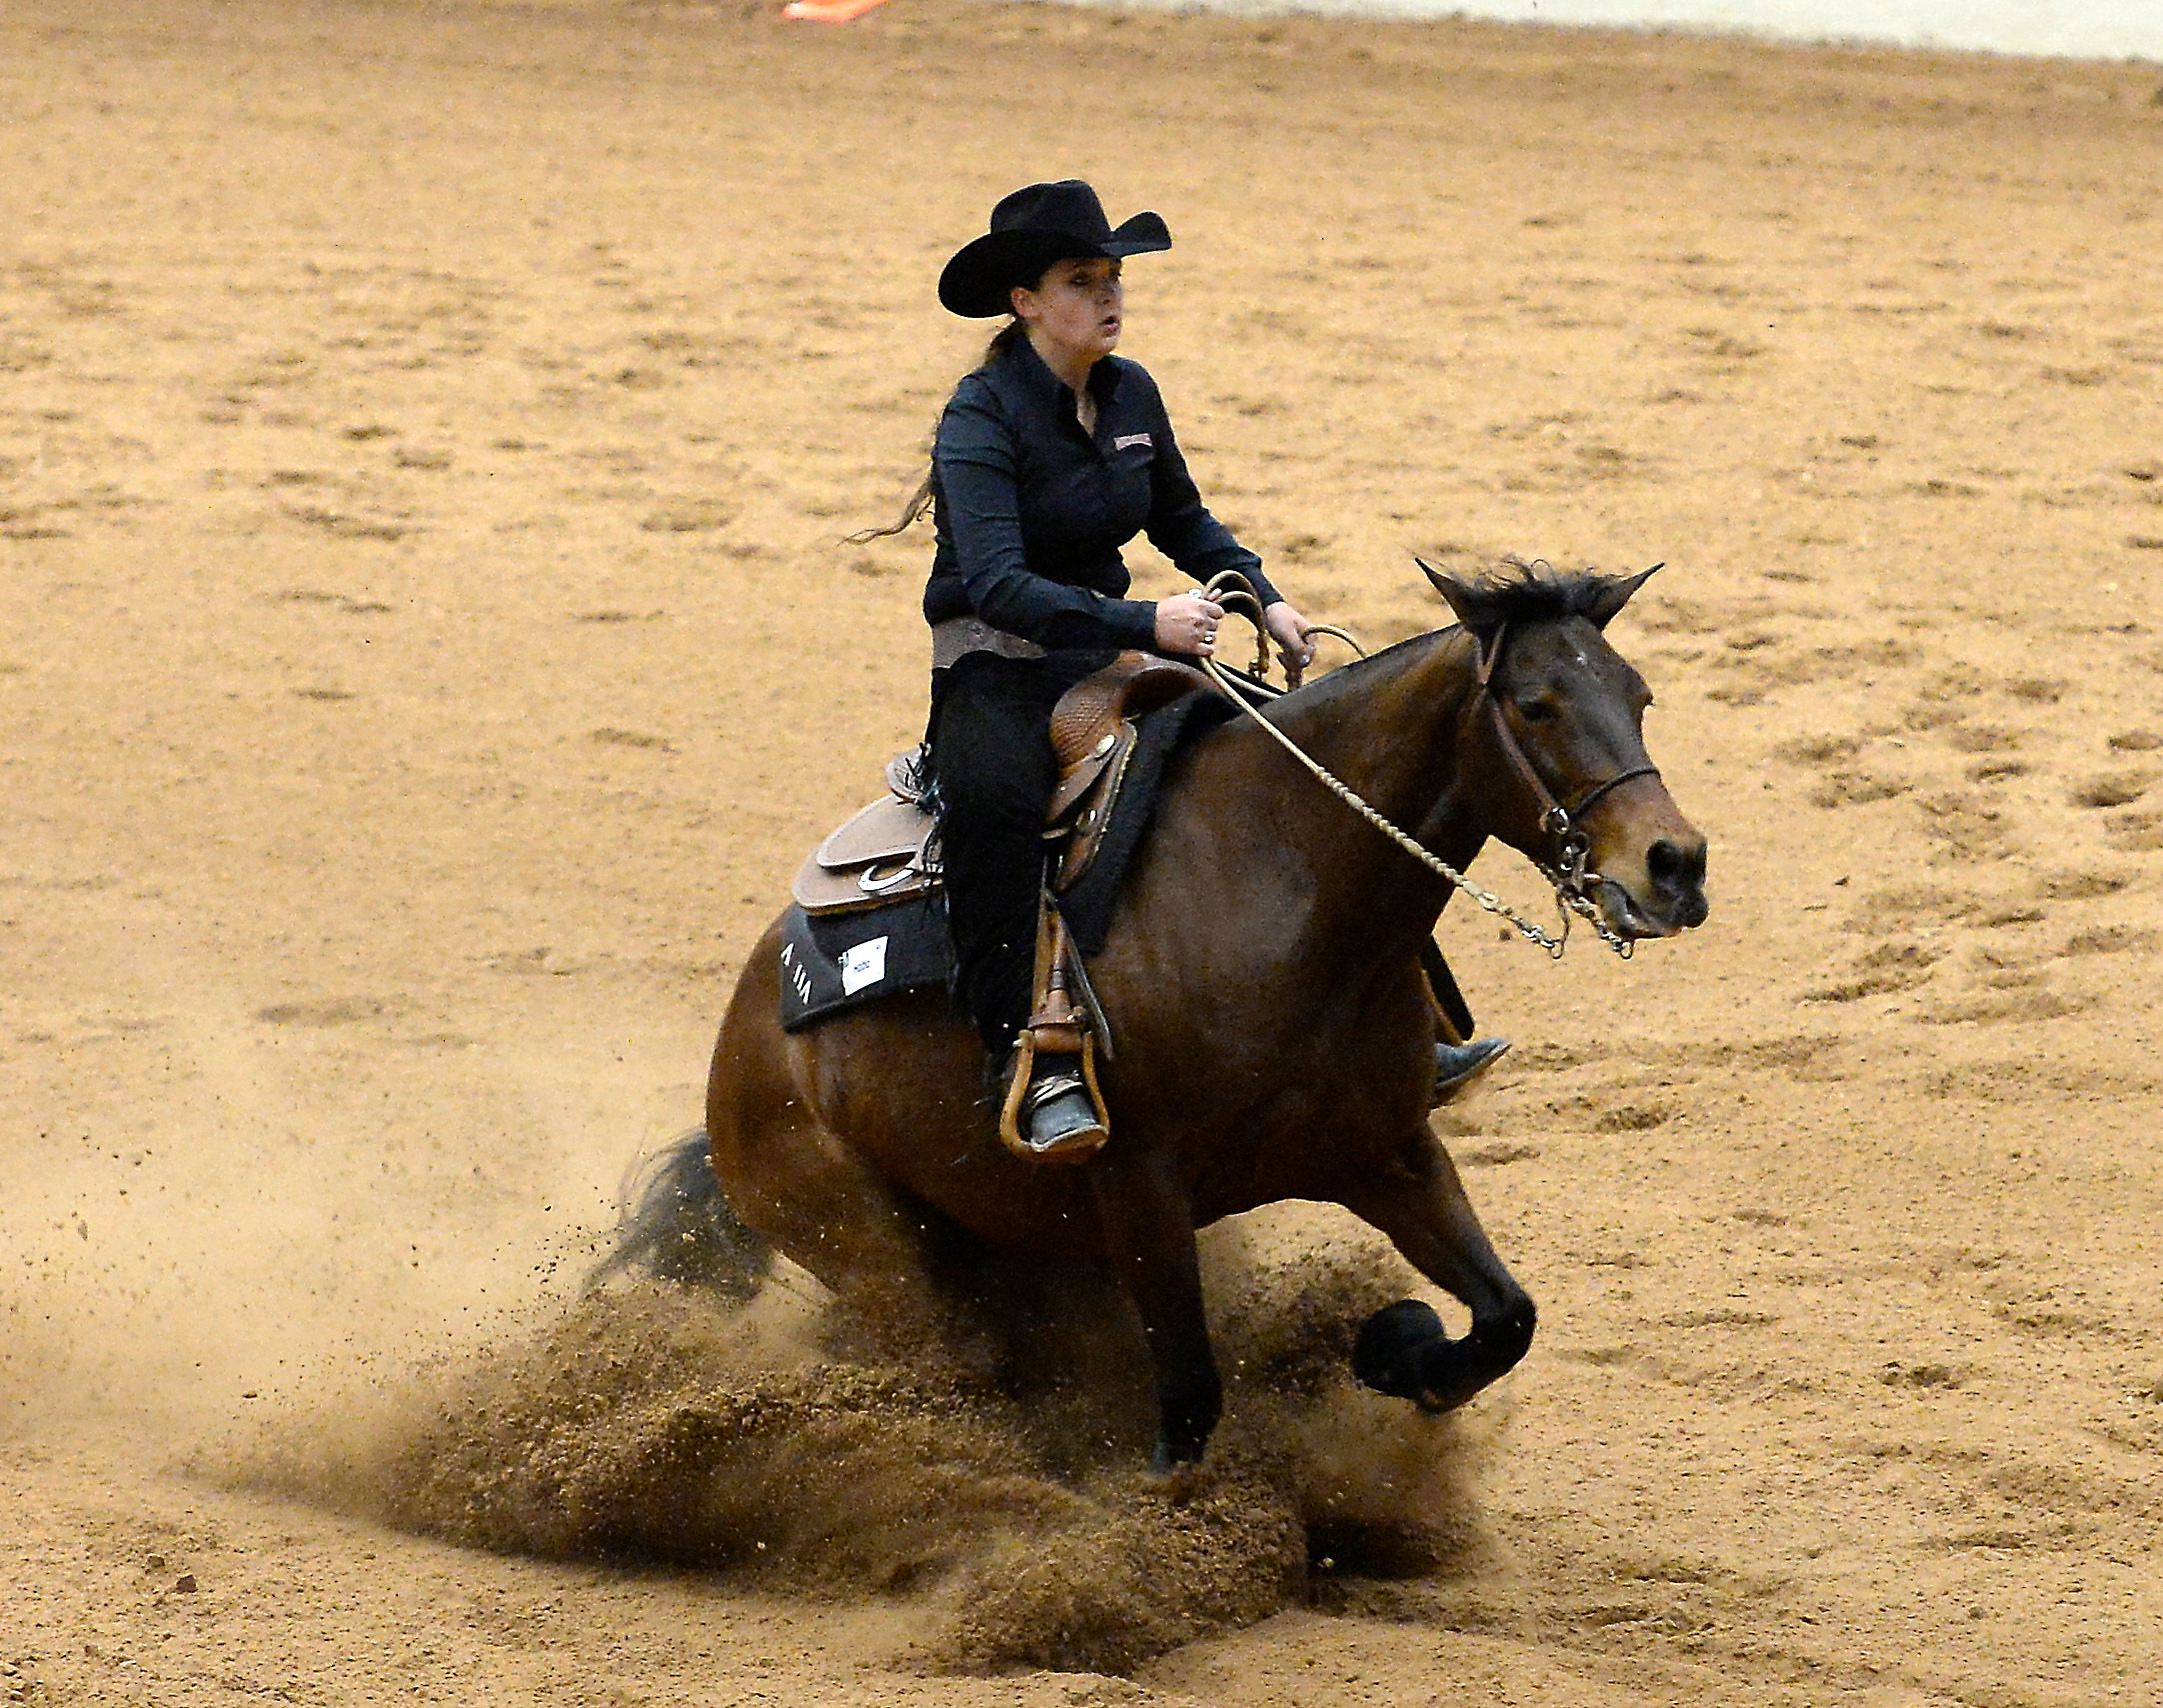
column 978, row 280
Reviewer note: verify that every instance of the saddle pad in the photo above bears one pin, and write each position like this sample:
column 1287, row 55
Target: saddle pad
column 832, row 964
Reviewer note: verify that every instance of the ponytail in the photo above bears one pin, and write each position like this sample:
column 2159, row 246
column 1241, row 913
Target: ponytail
column 921, row 499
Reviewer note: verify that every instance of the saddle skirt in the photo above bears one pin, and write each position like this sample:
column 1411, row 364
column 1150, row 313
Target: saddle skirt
column 885, row 852
column 869, row 920
column 888, row 851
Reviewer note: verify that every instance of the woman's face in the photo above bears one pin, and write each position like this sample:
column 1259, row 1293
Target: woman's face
column 1075, row 307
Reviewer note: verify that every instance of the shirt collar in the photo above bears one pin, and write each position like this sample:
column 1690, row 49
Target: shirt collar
column 1028, row 367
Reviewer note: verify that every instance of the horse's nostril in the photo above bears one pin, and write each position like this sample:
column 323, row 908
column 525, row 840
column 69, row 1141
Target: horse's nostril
column 1678, row 876
column 1673, row 868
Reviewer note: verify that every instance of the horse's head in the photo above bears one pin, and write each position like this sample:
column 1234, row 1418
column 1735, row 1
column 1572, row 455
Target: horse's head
column 1555, row 742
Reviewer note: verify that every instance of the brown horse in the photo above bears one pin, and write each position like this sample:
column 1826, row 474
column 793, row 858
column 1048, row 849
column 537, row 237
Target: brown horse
column 1274, row 1036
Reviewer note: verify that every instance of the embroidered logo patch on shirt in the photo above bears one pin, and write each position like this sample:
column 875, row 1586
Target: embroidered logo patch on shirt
column 1126, row 439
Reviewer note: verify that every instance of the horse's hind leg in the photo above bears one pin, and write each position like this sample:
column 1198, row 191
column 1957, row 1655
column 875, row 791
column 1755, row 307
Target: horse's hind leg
column 792, row 1182
column 1420, row 1203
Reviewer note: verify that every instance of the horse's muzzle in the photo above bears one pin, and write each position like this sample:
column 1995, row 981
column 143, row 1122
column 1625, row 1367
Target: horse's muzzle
column 1673, row 897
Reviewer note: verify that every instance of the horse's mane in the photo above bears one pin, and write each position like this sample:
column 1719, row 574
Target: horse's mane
column 1519, row 590
column 1516, row 591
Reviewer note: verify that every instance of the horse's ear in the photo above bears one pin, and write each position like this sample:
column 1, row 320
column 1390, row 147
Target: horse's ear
column 1452, row 590
column 1616, row 593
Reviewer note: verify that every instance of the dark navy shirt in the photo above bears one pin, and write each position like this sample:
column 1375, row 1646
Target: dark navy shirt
column 1032, row 512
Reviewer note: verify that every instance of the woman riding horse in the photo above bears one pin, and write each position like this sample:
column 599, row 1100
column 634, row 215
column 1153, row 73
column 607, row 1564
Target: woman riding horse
column 1276, row 1026
column 1050, row 457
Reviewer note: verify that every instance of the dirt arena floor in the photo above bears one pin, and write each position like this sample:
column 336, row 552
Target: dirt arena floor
column 426, row 436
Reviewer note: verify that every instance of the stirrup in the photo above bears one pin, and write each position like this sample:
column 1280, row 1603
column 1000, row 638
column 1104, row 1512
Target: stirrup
column 1457, row 1065
column 1053, row 1110
column 1060, row 1122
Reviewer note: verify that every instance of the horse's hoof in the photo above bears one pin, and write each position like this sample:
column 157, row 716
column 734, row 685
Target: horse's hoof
column 1386, row 1356
column 1172, row 1475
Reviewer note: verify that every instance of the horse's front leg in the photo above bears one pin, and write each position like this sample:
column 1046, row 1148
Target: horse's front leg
column 1418, row 1201
column 1148, row 1230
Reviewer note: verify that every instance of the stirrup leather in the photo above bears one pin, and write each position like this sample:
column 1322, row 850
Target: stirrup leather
column 1055, row 1056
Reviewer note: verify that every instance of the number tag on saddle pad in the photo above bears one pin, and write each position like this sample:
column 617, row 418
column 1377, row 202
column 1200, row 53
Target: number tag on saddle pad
column 863, row 965
column 833, row 963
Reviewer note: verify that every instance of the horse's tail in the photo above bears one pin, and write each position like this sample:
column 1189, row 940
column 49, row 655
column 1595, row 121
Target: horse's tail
column 676, row 1226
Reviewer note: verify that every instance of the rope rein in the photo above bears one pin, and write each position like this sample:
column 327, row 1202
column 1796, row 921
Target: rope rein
column 1234, row 592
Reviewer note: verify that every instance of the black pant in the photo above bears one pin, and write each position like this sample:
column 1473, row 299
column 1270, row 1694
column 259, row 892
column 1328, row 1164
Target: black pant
column 991, row 755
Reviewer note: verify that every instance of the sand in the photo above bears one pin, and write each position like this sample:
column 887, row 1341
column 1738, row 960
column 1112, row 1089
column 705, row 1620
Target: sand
column 426, row 437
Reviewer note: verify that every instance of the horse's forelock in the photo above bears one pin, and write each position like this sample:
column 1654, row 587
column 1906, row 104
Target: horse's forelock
column 1524, row 590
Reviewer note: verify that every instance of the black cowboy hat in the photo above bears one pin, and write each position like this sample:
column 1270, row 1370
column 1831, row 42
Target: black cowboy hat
column 1030, row 230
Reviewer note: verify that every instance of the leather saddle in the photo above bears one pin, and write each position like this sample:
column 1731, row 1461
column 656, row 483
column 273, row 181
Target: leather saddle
column 887, row 851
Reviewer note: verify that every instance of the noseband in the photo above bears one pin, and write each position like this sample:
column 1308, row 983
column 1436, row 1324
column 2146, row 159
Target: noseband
column 1573, row 883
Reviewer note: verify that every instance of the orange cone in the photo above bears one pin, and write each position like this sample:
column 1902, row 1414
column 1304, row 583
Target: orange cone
column 828, row 11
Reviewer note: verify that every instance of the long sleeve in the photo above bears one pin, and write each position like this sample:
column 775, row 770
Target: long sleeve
column 976, row 462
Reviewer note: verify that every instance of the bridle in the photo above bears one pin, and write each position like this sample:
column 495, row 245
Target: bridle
column 1572, row 882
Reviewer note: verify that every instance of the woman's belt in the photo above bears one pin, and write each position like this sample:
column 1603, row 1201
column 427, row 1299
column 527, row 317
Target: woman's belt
column 957, row 637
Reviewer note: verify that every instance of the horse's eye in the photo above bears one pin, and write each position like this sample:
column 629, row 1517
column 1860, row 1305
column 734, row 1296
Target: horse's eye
column 1540, row 711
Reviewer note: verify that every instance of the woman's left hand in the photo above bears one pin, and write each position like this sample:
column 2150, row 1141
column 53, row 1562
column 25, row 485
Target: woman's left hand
column 1294, row 636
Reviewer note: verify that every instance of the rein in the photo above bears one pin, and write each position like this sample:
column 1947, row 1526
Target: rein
column 1569, row 878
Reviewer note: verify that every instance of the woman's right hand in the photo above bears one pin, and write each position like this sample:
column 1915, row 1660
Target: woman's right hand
column 1188, row 624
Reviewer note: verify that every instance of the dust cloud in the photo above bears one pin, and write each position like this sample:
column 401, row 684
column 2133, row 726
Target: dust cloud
column 657, row 1423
